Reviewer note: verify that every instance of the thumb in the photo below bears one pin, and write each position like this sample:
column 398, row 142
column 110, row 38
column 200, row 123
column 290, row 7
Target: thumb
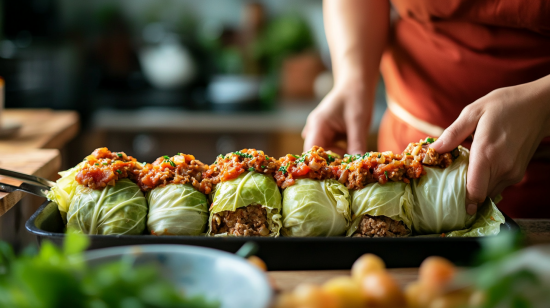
column 455, row 134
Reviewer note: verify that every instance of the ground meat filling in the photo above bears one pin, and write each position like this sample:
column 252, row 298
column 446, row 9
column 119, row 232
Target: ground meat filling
column 230, row 166
column 315, row 164
column 381, row 226
column 178, row 169
column 104, row 167
column 245, row 221
column 357, row 171
column 422, row 152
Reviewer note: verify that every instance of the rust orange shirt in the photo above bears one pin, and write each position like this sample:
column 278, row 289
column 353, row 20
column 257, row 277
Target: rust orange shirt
column 444, row 55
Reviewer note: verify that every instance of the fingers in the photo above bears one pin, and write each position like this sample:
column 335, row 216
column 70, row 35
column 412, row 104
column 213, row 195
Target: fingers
column 315, row 134
column 357, row 132
column 479, row 175
column 455, row 134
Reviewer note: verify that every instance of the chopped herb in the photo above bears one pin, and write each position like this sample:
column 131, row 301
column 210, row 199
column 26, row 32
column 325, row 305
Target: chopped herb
column 119, row 154
column 295, row 156
column 96, row 164
column 105, row 164
column 215, row 162
column 251, row 169
column 166, row 157
column 407, row 153
column 262, row 166
column 366, row 155
column 379, row 155
column 180, row 154
column 347, row 155
column 430, row 140
column 386, row 174
column 144, row 163
column 347, row 167
column 283, row 169
column 172, row 163
column 220, row 156
column 330, row 158
column 118, row 171
column 241, row 154
column 266, row 157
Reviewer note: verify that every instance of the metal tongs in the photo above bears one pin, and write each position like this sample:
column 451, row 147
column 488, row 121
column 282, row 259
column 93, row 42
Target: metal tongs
column 31, row 184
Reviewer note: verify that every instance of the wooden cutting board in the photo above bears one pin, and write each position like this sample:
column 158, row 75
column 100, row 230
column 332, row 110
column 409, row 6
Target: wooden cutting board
column 39, row 162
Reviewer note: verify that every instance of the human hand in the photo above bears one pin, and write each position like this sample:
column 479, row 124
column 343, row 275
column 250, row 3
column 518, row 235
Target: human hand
column 509, row 124
column 344, row 112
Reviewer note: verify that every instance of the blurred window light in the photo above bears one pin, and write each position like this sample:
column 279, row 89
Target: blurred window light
column 154, row 33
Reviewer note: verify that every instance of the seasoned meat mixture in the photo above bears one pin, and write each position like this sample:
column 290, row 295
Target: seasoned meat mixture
column 104, row 167
column 245, row 221
column 314, row 164
column 381, row 226
column 422, row 152
column 178, row 169
column 356, row 171
column 231, row 165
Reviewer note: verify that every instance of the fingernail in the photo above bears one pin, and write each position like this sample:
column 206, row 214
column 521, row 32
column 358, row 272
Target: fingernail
column 471, row 209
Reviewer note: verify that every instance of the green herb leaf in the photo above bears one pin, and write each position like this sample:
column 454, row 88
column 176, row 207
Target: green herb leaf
column 283, row 169
column 386, row 174
column 118, row 171
column 407, row 153
column 119, row 154
column 379, row 155
column 430, row 140
column 166, row 157
column 251, row 169
column 97, row 164
column 263, row 167
column 172, row 163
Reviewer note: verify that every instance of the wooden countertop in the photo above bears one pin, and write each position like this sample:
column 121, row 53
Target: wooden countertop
column 536, row 231
column 35, row 148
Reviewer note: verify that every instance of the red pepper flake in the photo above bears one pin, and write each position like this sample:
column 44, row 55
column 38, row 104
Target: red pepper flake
column 442, row 235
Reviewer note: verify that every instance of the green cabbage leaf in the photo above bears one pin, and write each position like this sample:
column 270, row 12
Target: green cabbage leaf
column 119, row 209
column 64, row 190
column 392, row 200
column 487, row 222
column 177, row 209
column 250, row 188
column 316, row 208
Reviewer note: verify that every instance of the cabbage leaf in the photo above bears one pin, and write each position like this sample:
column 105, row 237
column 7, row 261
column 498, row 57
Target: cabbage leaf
column 316, row 208
column 64, row 190
column 487, row 222
column 440, row 198
column 250, row 188
column 177, row 209
column 119, row 209
column 392, row 200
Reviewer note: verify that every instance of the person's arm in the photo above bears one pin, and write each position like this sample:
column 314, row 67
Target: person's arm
column 509, row 124
column 357, row 33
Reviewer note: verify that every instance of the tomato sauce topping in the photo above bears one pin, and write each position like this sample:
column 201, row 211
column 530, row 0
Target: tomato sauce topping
column 230, row 166
column 104, row 167
column 178, row 169
column 314, row 164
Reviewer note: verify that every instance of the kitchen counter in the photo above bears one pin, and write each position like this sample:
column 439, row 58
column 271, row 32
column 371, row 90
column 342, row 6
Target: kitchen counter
column 536, row 231
column 35, row 148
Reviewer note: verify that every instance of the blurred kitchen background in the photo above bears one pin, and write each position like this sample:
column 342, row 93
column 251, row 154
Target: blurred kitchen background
column 157, row 77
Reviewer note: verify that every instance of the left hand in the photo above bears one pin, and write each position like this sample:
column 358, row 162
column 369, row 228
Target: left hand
column 509, row 124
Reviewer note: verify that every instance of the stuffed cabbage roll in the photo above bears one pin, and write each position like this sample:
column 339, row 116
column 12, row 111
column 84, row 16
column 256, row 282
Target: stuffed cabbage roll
column 102, row 181
column 177, row 204
column 118, row 209
column 314, row 202
column 316, row 208
column 440, row 200
column 246, row 199
column 381, row 210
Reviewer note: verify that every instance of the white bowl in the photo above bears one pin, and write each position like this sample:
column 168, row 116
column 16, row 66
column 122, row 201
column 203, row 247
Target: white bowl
column 214, row 274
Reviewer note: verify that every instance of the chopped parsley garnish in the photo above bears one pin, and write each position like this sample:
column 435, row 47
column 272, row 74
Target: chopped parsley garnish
column 295, row 156
column 180, row 154
column 430, row 140
column 105, row 164
column 347, row 167
column 251, row 169
column 302, row 159
column 262, row 166
column 386, row 174
column 366, row 155
column 407, row 153
column 266, row 157
column 283, row 169
column 172, row 163
column 166, row 157
column 119, row 154
column 330, row 158
column 215, row 163
column 118, row 171
column 379, row 155
column 241, row 154
column 220, row 156
column 96, row 164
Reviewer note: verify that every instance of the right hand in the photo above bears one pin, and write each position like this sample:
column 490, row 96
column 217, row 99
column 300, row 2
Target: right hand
column 344, row 114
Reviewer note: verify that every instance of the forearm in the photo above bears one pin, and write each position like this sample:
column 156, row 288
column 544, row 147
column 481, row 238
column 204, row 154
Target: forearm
column 357, row 33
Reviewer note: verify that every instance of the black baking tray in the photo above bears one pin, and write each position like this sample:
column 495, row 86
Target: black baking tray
column 288, row 253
